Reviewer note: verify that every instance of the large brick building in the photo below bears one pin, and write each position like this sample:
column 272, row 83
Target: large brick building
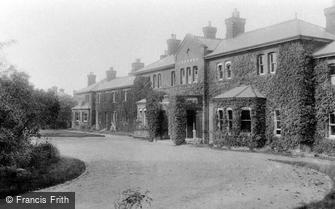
column 264, row 84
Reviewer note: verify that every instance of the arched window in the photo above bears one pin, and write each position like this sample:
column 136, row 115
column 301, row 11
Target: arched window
column 228, row 69
column 260, row 64
column 272, row 59
column 189, row 75
column 154, row 81
column 159, row 81
column 220, row 71
column 230, row 119
column 246, row 120
column 173, row 78
column 220, row 118
column 182, row 76
column 195, row 74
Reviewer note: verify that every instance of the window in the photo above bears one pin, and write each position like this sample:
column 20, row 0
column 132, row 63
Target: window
column 332, row 125
column 85, row 117
column 277, row 121
column 76, row 116
column 154, row 81
column 220, row 119
column 125, row 95
column 220, row 71
column 113, row 96
column 189, row 75
column 98, row 98
column 114, row 117
column 182, row 76
column 245, row 121
column 195, row 74
column 332, row 74
column 145, row 117
column 272, row 58
column 230, row 119
column 228, row 69
column 87, row 98
column 173, row 78
column 260, row 64
column 159, row 81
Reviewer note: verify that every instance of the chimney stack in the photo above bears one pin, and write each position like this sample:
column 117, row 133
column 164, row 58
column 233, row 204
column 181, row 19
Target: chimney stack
column 164, row 55
column 173, row 44
column 110, row 74
column 91, row 79
column 235, row 25
column 330, row 18
column 136, row 65
column 209, row 31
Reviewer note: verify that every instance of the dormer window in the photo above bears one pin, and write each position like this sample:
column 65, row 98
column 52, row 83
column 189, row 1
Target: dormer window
column 220, row 71
column 332, row 74
column 272, row 58
column 260, row 64
column 228, row 69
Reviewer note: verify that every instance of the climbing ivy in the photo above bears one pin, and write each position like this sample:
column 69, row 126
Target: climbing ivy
column 153, row 107
column 177, row 119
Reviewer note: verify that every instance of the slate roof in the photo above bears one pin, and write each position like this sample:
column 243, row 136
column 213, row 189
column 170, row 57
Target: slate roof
column 289, row 30
column 211, row 44
column 120, row 82
column 328, row 50
column 116, row 83
column 241, row 92
column 165, row 63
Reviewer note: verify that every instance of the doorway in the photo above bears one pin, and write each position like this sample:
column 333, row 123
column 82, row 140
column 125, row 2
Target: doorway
column 191, row 124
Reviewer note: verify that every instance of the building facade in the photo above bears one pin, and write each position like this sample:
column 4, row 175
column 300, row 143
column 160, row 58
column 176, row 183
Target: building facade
column 270, row 85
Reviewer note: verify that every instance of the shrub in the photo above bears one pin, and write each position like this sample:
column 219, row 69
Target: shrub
column 177, row 120
column 153, row 115
column 132, row 199
column 44, row 154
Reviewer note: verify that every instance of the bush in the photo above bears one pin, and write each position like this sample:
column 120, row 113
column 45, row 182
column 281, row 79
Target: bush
column 132, row 199
column 177, row 120
column 324, row 146
column 153, row 115
column 44, row 154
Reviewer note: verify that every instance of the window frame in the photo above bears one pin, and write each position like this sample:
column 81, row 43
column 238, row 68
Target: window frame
column 84, row 116
column 275, row 120
column 173, row 78
column 220, row 121
column 182, row 76
column 220, row 71
column 195, row 74
column 246, row 109
column 189, row 78
column 113, row 96
column 330, row 125
column 159, row 80
column 272, row 62
column 77, row 116
column 260, row 65
column 230, row 123
column 332, row 74
column 154, row 81
column 125, row 95
column 230, row 70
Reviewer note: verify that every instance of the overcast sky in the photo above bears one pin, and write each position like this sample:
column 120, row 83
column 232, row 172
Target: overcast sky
column 60, row 41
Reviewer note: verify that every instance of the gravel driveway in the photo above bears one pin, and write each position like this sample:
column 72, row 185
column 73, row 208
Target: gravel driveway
column 184, row 176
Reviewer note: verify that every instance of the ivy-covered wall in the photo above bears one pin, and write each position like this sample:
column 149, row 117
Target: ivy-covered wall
column 324, row 105
column 290, row 89
column 234, row 137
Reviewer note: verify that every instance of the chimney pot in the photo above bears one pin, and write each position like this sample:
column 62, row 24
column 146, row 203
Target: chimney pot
column 209, row 31
column 173, row 44
column 91, row 79
column 234, row 25
column 136, row 65
column 110, row 74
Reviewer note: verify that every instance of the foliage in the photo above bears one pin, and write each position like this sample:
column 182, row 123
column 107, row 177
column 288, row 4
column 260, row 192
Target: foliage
column 153, row 107
column 43, row 154
column 290, row 90
column 177, row 119
column 133, row 199
column 64, row 118
column 141, row 88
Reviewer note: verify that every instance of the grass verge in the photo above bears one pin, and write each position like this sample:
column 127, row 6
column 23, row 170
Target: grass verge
column 15, row 181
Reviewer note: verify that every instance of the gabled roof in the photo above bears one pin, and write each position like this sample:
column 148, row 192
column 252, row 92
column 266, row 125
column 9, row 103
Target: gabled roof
column 241, row 92
column 282, row 32
column 116, row 83
column 165, row 63
column 328, row 50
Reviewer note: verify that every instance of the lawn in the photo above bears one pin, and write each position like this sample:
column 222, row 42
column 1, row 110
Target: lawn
column 67, row 133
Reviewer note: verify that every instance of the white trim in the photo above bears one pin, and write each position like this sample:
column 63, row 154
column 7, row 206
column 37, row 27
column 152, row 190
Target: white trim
column 275, row 120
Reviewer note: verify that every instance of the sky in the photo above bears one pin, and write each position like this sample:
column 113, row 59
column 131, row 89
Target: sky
column 58, row 42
